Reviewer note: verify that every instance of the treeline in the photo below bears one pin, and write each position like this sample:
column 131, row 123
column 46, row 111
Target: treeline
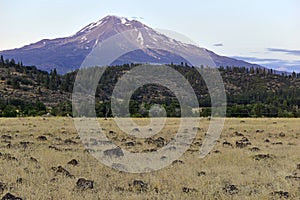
column 17, row 107
column 254, row 92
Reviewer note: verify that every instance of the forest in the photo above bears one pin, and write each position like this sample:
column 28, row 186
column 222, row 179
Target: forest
column 254, row 92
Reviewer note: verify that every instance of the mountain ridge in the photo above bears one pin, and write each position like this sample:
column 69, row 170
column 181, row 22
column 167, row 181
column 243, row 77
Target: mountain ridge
column 67, row 53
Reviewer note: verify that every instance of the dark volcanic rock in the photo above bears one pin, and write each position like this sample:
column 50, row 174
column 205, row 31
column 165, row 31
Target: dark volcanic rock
column 54, row 147
column 230, row 189
column 6, row 137
column 2, row 187
column 281, row 134
column 139, row 185
column 42, row 138
column 32, row 159
column 177, row 162
column 84, row 184
column 281, row 194
column 116, row 152
column 260, row 131
column 160, row 142
column 202, row 173
column 244, row 142
column 135, row 130
column 62, row 171
column 188, row 190
column 73, row 162
column 69, row 141
column 267, row 141
column 25, row 144
column 9, row 196
column 7, row 156
column 238, row 134
column 20, row 180
column 228, row 144
column 277, row 143
column 130, row 144
column 293, row 177
column 254, row 149
column 262, row 156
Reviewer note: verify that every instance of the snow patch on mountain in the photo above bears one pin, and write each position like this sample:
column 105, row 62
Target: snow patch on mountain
column 91, row 26
column 123, row 20
column 140, row 38
column 83, row 39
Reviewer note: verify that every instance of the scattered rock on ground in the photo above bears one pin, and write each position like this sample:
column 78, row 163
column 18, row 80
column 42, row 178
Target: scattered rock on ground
column 73, row 162
column 238, row 134
column 62, row 171
column 2, row 187
column 84, row 184
column 42, row 138
column 19, row 180
column 25, row 144
column 6, row 137
column 160, row 142
column 188, row 190
column 32, row 159
column 281, row 134
column 139, row 185
column 7, row 156
column 202, row 173
column 230, row 189
column 54, row 147
column 262, row 156
column 228, row 144
column 177, row 162
column 9, row 196
column 116, row 152
column 135, row 130
column 217, row 151
column 277, row 143
column 69, row 141
column 244, row 142
column 130, row 144
column 254, row 149
column 281, row 194
column 293, row 177
column 267, row 141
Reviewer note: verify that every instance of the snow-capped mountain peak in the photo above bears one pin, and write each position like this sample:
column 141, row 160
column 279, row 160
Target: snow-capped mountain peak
column 68, row 53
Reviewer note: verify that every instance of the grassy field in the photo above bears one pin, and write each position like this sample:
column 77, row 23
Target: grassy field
column 253, row 159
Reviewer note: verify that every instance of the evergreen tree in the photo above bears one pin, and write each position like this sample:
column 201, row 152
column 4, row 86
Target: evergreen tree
column 2, row 61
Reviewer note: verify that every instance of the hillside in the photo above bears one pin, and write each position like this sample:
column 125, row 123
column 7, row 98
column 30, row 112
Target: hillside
column 28, row 90
column 250, row 92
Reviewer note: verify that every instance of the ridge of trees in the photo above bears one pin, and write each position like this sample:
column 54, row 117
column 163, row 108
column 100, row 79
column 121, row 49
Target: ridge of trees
column 254, row 92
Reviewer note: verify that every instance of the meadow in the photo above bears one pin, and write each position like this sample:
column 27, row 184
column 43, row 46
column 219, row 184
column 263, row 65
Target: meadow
column 255, row 158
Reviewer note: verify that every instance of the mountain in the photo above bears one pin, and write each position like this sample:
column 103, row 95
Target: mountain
column 68, row 53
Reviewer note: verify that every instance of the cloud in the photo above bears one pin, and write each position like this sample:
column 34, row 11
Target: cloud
column 136, row 18
column 255, row 59
column 287, row 51
column 218, row 45
column 277, row 64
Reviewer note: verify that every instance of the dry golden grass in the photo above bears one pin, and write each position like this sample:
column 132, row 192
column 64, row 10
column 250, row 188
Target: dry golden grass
column 194, row 178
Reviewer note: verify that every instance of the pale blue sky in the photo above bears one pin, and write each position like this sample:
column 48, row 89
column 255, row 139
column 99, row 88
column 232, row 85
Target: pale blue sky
column 265, row 32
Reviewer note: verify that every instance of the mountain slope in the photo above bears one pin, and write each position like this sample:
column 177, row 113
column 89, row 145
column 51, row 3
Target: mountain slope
column 68, row 53
column 249, row 93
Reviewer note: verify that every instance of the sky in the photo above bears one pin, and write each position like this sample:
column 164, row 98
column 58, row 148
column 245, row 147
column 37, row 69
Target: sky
column 265, row 32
